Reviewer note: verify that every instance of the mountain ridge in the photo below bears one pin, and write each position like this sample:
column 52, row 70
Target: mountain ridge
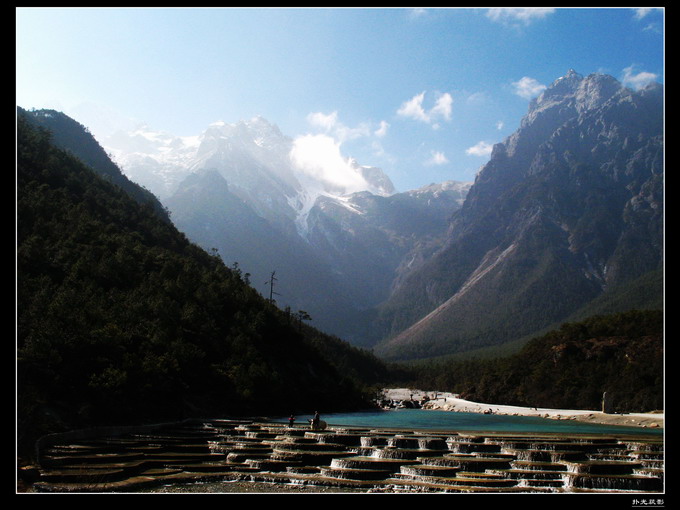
column 568, row 206
column 75, row 138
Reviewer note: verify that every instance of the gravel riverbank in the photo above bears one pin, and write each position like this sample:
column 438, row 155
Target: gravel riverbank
column 451, row 402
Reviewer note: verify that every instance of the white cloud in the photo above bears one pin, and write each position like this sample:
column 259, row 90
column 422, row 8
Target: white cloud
column 382, row 130
column 528, row 88
column 437, row 158
column 499, row 125
column 641, row 12
column 413, row 109
column 516, row 16
column 322, row 120
column 442, row 107
column 480, row 149
column 319, row 157
column 635, row 80
column 344, row 133
column 330, row 124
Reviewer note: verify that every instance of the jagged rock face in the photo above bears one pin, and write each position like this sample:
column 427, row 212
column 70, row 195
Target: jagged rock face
column 568, row 207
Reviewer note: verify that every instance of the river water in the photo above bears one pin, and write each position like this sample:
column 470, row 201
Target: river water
column 459, row 422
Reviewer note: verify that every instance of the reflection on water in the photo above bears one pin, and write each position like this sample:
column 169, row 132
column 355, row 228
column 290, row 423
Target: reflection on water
column 454, row 421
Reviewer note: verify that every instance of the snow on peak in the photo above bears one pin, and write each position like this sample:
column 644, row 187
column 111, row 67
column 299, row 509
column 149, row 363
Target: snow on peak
column 253, row 156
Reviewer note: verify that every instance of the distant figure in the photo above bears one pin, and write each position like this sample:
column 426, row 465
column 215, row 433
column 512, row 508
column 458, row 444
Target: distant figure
column 291, row 421
column 317, row 423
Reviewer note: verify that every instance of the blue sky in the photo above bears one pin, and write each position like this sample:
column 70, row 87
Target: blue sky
column 421, row 93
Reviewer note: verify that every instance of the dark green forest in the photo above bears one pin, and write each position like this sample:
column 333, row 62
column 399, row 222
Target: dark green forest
column 568, row 368
column 121, row 320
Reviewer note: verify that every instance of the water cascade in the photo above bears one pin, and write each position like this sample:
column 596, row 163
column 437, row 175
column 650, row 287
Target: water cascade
column 371, row 459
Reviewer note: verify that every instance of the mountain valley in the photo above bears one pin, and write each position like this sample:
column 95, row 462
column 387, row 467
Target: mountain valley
column 336, row 248
column 566, row 214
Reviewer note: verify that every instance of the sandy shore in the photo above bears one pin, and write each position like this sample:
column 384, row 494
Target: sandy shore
column 450, row 402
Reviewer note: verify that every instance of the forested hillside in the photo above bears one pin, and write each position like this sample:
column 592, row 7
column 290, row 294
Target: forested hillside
column 569, row 368
column 74, row 138
column 120, row 319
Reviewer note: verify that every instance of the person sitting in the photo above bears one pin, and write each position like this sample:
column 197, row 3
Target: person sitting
column 316, row 421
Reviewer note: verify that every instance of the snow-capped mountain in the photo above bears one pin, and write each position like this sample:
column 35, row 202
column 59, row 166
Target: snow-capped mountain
column 280, row 177
column 156, row 160
column 334, row 230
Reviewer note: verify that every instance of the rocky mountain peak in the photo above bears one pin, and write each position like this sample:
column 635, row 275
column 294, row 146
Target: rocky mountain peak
column 568, row 207
column 256, row 130
column 566, row 98
column 378, row 181
column 575, row 92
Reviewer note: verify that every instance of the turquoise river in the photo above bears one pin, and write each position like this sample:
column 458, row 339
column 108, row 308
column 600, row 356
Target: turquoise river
column 418, row 419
